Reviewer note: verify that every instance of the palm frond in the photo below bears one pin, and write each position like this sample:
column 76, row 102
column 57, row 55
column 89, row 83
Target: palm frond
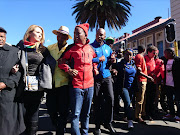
column 98, row 13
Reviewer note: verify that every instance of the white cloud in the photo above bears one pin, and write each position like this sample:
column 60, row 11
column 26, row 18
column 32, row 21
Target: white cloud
column 48, row 41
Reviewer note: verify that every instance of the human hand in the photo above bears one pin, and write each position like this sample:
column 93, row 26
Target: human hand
column 113, row 55
column 150, row 78
column 15, row 69
column 61, row 61
column 2, row 86
column 96, row 72
column 72, row 72
column 114, row 72
column 102, row 58
column 139, row 69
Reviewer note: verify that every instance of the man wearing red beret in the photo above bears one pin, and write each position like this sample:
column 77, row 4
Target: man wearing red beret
column 77, row 62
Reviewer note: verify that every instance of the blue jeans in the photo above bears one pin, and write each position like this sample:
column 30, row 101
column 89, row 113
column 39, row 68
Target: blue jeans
column 127, row 96
column 80, row 102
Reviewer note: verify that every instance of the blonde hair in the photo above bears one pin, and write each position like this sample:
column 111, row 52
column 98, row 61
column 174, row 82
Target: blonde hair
column 31, row 29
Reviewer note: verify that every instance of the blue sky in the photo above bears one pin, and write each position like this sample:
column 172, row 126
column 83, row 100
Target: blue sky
column 18, row 15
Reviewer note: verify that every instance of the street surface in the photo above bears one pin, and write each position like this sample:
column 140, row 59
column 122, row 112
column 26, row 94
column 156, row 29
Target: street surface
column 155, row 127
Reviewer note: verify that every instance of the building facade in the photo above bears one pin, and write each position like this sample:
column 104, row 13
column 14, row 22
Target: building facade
column 152, row 33
column 175, row 13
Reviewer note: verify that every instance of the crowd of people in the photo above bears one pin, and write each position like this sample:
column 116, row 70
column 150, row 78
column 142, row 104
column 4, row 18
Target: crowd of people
column 78, row 76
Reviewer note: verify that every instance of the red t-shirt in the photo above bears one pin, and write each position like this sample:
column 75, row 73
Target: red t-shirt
column 151, row 65
column 159, row 70
column 140, row 62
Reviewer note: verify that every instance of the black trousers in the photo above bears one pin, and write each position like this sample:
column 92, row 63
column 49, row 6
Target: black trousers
column 103, row 101
column 150, row 99
column 57, row 101
column 173, row 96
column 117, row 95
column 163, row 98
column 32, row 101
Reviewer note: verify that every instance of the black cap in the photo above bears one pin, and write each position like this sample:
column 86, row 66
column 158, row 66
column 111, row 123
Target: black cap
column 3, row 30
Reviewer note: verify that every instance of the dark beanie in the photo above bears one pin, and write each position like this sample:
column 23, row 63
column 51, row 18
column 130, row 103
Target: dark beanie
column 3, row 30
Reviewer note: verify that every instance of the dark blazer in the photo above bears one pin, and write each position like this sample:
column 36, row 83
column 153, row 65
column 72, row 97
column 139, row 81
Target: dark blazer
column 11, row 114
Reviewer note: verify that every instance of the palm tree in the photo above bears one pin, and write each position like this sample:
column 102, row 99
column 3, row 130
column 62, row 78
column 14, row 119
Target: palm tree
column 98, row 12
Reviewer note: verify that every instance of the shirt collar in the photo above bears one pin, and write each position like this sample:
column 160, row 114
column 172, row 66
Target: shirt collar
column 57, row 48
column 63, row 48
column 97, row 44
column 6, row 47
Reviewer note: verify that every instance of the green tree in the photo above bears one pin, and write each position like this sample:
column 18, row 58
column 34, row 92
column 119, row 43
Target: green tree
column 97, row 13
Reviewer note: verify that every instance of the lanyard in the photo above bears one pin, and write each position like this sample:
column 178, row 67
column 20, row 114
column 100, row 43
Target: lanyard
column 26, row 62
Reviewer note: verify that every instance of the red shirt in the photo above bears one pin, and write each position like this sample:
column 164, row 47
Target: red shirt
column 159, row 70
column 151, row 65
column 140, row 62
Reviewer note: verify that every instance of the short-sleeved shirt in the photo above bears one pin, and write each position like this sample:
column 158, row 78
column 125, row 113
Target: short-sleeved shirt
column 140, row 62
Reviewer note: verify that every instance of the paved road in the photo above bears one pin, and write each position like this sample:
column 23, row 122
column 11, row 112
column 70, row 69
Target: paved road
column 156, row 127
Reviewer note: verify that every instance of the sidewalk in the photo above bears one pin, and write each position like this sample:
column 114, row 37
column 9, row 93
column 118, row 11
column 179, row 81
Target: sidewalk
column 156, row 127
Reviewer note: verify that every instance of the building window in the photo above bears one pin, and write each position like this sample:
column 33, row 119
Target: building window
column 141, row 41
column 128, row 45
column 134, row 44
column 159, row 36
column 160, row 48
column 149, row 40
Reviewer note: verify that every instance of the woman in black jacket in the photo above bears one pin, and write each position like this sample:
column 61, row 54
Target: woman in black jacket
column 172, row 85
column 36, row 74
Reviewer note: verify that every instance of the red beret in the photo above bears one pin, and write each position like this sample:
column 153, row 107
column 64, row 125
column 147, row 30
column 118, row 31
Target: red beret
column 85, row 27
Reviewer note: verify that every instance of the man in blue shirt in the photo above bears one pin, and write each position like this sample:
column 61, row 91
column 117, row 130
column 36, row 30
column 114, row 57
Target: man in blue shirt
column 103, row 83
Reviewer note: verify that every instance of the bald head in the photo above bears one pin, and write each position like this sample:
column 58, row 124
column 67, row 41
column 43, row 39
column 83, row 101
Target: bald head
column 101, row 30
column 100, row 35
